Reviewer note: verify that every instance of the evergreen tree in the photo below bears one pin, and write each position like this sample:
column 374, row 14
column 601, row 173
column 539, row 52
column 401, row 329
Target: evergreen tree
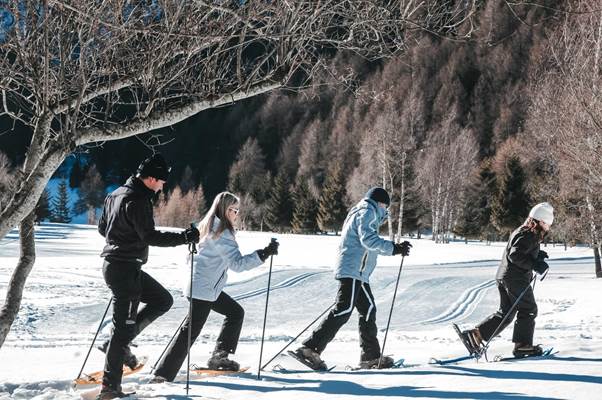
column 91, row 194
column 511, row 203
column 42, row 210
column 413, row 212
column 332, row 210
column 60, row 205
column 248, row 174
column 279, row 207
column 305, row 209
column 475, row 214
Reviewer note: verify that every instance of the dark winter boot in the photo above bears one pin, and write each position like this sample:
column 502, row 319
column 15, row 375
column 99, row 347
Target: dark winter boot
column 311, row 358
column 475, row 339
column 108, row 393
column 526, row 350
column 386, row 362
column 157, row 379
column 219, row 360
column 129, row 359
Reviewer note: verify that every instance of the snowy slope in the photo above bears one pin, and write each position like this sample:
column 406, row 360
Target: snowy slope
column 65, row 298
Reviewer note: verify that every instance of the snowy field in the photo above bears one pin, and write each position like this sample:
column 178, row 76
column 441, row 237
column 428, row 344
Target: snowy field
column 65, row 298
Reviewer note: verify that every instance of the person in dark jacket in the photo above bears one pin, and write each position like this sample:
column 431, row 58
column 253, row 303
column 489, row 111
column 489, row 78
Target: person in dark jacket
column 521, row 258
column 359, row 248
column 128, row 227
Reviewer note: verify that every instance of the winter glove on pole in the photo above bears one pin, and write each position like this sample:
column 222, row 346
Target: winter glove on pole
column 542, row 255
column 269, row 250
column 540, row 266
column 402, row 248
column 191, row 235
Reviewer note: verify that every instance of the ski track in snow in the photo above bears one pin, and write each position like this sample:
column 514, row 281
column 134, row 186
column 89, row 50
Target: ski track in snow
column 287, row 283
column 464, row 306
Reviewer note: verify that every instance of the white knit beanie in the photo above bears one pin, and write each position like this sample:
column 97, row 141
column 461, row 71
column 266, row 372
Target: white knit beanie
column 543, row 212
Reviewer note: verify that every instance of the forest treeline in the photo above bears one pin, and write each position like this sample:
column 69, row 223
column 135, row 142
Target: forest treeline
column 465, row 134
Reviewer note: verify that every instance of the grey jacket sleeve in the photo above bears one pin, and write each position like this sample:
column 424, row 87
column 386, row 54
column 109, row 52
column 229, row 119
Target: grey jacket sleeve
column 238, row 262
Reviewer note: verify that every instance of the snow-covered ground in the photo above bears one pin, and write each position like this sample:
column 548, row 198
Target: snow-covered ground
column 65, row 298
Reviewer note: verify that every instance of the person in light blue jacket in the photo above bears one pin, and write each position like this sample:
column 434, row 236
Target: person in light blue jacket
column 360, row 246
column 218, row 252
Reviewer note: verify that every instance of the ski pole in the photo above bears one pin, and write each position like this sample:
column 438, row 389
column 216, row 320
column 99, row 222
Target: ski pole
column 93, row 340
column 168, row 344
column 297, row 337
column 520, row 296
column 390, row 313
column 192, row 250
column 265, row 314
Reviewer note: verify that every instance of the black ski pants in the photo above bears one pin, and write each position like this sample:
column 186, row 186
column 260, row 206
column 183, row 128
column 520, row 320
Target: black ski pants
column 130, row 286
column 525, row 312
column 226, row 341
column 352, row 294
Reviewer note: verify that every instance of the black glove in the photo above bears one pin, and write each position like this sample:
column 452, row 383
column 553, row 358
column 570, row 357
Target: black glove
column 271, row 249
column 402, row 248
column 540, row 266
column 191, row 235
column 542, row 255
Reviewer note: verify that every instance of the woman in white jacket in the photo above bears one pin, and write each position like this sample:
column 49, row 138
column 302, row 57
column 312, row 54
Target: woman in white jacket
column 218, row 252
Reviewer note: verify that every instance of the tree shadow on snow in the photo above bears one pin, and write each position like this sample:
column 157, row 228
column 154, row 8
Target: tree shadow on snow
column 577, row 359
column 350, row 388
column 525, row 375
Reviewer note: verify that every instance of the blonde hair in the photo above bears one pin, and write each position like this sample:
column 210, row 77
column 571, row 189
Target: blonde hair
column 218, row 209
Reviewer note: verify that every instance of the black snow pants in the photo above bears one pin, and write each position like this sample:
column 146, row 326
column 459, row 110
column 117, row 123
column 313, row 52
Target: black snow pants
column 525, row 312
column 352, row 294
column 226, row 341
column 130, row 286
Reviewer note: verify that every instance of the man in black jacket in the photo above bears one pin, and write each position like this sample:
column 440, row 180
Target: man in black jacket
column 128, row 226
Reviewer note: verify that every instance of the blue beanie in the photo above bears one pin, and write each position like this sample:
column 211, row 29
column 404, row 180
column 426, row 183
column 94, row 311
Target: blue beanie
column 379, row 195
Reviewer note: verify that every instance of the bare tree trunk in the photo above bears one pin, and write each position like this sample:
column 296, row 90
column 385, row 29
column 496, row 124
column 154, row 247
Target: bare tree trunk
column 14, row 292
column 402, row 193
column 597, row 262
column 597, row 54
column 437, row 208
column 385, row 174
column 594, row 235
column 389, row 216
column 91, row 215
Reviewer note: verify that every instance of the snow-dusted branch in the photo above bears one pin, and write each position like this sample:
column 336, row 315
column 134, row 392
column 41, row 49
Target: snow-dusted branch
column 167, row 118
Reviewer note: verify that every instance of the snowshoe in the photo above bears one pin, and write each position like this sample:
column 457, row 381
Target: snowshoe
column 527, row 350
column 309, row 357
column 219, row 361
column 386, row 362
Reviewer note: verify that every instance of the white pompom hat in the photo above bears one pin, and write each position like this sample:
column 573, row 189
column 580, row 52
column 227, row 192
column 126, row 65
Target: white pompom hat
column 543, row 212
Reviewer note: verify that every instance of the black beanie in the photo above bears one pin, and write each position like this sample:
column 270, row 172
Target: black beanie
column 379, row 195
column 155, row 167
